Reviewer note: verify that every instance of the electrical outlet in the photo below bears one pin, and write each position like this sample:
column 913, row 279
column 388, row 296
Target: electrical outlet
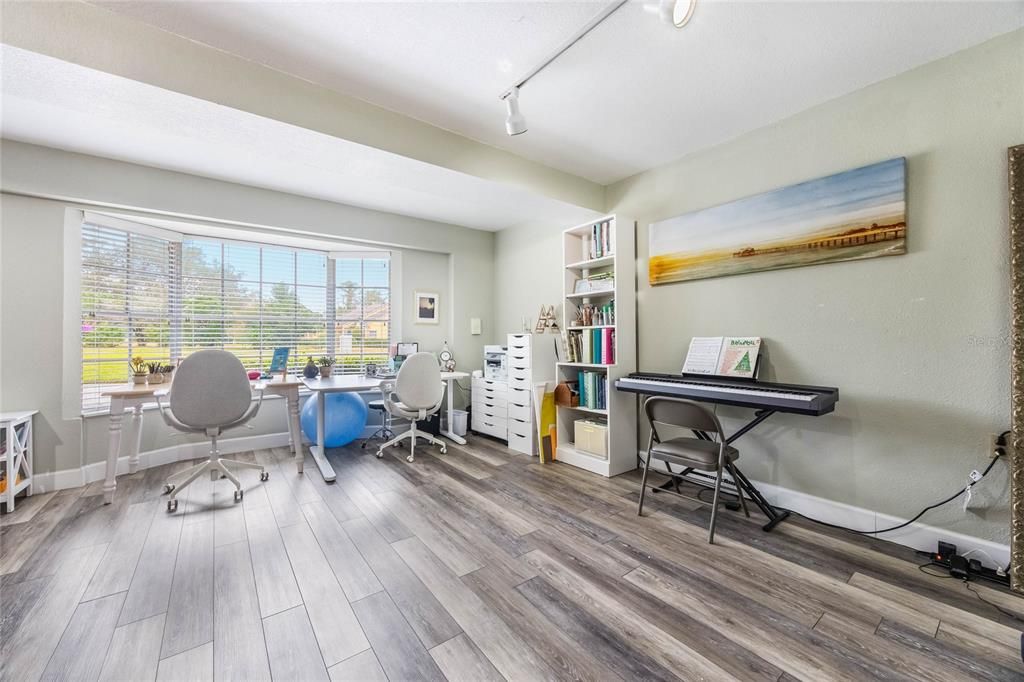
column 995, row 449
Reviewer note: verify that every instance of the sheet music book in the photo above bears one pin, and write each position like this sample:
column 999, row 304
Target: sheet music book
column 731, row 356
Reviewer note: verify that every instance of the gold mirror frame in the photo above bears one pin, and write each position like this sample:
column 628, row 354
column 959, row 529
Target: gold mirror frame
column 1016, row 443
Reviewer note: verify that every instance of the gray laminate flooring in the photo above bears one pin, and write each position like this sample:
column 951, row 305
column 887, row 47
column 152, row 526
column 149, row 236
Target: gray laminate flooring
column 481, row 564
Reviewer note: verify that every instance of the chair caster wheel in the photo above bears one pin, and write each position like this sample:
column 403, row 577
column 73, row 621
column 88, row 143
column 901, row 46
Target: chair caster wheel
column 380, row 454
column 172, row 506
column 168, row 489
column 444, row 450
column 238, row 495
column 264, row 475
column 410, row 459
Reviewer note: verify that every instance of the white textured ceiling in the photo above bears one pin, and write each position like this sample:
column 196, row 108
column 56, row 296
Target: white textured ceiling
column 57, row 104
column 634, row 94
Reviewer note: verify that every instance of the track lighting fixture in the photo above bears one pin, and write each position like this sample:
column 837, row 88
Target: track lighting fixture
column 675, row 12
column 515, row 122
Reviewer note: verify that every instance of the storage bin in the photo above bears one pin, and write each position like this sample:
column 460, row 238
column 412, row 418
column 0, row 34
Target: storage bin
column 592, row 437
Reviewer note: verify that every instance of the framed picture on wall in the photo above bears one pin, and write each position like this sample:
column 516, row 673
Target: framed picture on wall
column 427, row 311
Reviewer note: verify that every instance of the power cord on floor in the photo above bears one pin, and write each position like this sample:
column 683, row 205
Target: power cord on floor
column 967, row 584
column 997, row 607
column 919, row 514
column 922, row 568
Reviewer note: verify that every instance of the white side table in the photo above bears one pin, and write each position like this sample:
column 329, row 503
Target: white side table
column 16, row 453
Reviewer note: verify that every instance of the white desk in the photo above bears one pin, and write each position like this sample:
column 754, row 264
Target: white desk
column 353, row 383
column 133, row 397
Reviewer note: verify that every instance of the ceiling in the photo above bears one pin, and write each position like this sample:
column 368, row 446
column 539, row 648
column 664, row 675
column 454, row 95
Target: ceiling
column 634, row 94
column 55, row 103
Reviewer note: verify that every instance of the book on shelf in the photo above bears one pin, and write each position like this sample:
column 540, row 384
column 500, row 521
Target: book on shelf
column 599, row 242
column 604, row 281
column 591, row 346
column 593, row 390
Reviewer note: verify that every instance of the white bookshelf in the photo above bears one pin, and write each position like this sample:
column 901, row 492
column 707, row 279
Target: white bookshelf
column 620, row 413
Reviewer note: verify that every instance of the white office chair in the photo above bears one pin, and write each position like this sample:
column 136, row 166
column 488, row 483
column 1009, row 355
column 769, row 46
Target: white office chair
column 416, row 393
column 210, row 394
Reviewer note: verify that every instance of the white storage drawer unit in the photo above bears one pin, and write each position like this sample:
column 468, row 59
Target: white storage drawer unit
column 504, row 409
column 520, row 393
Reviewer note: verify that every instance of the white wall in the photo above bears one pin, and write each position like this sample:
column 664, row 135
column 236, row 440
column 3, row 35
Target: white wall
column 39, row 183
column 917, row 344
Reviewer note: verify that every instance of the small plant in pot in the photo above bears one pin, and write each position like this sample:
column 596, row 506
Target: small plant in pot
column 140, row 370
column 326, row 366
column 310, row 370
column 156, row 375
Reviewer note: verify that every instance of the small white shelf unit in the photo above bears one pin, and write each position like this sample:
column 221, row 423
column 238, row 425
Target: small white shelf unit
column 620, row 414
column 16, row 450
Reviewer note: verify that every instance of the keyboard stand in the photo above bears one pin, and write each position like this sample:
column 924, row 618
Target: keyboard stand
column 741, row 485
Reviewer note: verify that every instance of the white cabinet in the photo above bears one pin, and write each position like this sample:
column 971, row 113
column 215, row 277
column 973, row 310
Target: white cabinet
column 490, row 407
column 504, row 409
column 521, row 431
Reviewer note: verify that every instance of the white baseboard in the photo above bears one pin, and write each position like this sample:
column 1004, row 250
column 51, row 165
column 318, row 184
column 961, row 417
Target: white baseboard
column 918, row 536
column 74, row 478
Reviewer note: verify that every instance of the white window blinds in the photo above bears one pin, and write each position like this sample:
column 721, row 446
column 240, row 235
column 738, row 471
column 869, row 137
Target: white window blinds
column 362, row 318
column 163, row 300
column 126, row 292
column 249, row 299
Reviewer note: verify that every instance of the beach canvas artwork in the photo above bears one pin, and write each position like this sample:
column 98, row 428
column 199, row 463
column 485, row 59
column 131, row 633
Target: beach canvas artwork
column 860, row 213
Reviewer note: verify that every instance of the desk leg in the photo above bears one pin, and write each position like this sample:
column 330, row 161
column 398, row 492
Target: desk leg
column 114, row 448
column 450, row 433
column 133, row 456
column 318, row 450
column 295, row 427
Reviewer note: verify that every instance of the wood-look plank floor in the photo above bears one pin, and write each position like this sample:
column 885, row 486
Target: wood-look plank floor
column 477, row 565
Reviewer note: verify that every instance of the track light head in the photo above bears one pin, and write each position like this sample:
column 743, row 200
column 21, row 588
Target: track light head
column 677, row 12
column 515, row 122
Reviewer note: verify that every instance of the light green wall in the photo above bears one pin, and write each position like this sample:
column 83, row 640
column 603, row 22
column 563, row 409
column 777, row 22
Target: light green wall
column 432, row 270
column 917, row 344
column 457, row 264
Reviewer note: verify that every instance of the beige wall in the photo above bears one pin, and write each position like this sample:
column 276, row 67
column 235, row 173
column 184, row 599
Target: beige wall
column 452, row 260
column 917, row 344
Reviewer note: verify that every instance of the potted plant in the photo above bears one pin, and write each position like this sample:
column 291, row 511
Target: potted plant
column 326, row 366
column 156, row 375
column 140, row 370
column 310, row 371
column 166, row 370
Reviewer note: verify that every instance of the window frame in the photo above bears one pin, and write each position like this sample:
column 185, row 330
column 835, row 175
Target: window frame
column 73, row 406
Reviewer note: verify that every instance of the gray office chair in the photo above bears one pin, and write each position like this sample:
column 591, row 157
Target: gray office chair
column 210, row 394
column 416, row 393
column 689, row 453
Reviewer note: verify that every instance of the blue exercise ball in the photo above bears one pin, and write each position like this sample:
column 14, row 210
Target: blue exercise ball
column 344, row 418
